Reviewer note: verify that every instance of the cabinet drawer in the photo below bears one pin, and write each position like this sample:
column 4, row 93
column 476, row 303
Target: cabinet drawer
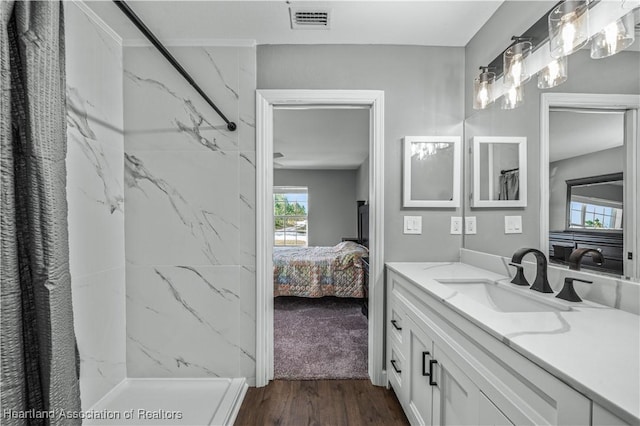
column 396, row 323
column 396, row 365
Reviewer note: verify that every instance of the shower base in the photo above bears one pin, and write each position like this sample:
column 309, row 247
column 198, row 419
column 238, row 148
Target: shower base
column 169, row 402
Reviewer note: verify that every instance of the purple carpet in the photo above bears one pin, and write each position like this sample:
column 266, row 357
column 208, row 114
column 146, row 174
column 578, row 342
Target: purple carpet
column 323, row 338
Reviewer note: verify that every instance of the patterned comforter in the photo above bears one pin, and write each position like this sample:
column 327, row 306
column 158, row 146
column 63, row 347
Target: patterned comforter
column 319, row 271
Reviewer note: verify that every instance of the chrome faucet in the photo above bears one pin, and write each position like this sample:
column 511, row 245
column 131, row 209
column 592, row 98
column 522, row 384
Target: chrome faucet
column 576, row 257
column 541, row 283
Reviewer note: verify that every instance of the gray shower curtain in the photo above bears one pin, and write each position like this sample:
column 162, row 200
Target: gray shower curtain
column 38, row 353
column 509, row 185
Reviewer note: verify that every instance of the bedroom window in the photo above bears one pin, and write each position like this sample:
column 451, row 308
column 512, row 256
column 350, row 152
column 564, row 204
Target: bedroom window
column 290, row 214
column 594, row 216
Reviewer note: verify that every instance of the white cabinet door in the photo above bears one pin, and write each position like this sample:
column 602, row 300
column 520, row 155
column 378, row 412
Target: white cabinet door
column 603, row 417
column 455, row 397
column 490, row 415
column 419, row 390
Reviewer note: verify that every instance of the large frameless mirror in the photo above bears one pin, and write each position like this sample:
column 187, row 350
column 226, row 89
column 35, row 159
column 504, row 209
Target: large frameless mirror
column 587, row 185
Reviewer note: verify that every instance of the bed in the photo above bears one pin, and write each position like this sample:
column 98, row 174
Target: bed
column 323, row 271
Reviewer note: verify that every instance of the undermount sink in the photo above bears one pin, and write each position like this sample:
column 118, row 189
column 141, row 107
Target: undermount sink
column 502, row 297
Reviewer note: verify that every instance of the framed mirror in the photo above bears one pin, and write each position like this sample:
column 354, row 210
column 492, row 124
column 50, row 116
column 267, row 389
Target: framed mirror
column 593, row 218
column 431, row 171
column 499, row 171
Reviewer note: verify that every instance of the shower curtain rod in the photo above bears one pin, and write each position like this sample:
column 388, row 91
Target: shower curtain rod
column 504, row 172
column 124, row 7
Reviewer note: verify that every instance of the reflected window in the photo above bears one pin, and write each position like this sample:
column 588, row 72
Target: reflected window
column 290, row 215
column 592, row 216
column 595, row 203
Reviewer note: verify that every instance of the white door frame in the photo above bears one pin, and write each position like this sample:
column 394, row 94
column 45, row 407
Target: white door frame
column 266, row 100
column 632, row 153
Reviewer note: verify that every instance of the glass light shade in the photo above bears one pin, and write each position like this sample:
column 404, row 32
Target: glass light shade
column 483, row 89
column 513, row 97
column 614, row 37
column 515, row 69
column 568, row 27
column 553, row 74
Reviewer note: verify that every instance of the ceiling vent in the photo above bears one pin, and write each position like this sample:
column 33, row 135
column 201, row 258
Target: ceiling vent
column 309, row 19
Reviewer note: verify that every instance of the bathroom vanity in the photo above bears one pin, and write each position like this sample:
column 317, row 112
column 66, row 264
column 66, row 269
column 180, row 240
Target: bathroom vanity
column 465, row 346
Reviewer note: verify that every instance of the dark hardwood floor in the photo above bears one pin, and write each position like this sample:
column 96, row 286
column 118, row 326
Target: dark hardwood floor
column 321, row 402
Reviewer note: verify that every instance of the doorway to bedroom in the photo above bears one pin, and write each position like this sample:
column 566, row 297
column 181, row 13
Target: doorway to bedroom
column 321, row 180
column 320, row 186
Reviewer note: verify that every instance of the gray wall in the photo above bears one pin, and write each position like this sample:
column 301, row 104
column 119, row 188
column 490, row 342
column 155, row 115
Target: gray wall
column 616, row 74
column 362, row 181
column 594, row 164
column 423, row 88
column 332, row 202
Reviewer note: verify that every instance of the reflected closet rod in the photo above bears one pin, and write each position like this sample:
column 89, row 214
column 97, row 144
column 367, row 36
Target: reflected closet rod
column 124, row 7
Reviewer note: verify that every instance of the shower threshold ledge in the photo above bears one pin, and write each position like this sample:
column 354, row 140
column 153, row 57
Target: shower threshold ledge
column 169, row 402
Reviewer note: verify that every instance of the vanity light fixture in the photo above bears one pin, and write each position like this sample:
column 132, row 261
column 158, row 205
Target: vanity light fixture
column 564, row 29
column 513, row 97
column 483, row 88
column 614, row 38
column 568, row 27
column 553, row 74
column 515, row 69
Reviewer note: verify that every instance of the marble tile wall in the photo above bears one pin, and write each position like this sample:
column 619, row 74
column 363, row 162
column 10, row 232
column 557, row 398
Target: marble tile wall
column 190, row 223
column 95, row 192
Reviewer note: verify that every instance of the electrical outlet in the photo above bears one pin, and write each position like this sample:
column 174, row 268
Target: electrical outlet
column 456, row 225
column 413, row 224
column 513, row 224
column 470, row 227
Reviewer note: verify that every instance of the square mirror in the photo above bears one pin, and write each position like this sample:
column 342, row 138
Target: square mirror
column 499, row 171
column 431, row 175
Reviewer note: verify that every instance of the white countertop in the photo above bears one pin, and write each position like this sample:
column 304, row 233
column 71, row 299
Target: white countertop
column 593, row 348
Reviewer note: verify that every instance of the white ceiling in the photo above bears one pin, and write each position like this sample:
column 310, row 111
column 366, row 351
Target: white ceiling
column 320, row 138
column 418, row 22
column 574, row 133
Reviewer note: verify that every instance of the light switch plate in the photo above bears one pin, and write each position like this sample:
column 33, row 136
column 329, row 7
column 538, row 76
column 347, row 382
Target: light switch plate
column 513, row 224
column 413, row 224
column 456, row 225
column 470, row 227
